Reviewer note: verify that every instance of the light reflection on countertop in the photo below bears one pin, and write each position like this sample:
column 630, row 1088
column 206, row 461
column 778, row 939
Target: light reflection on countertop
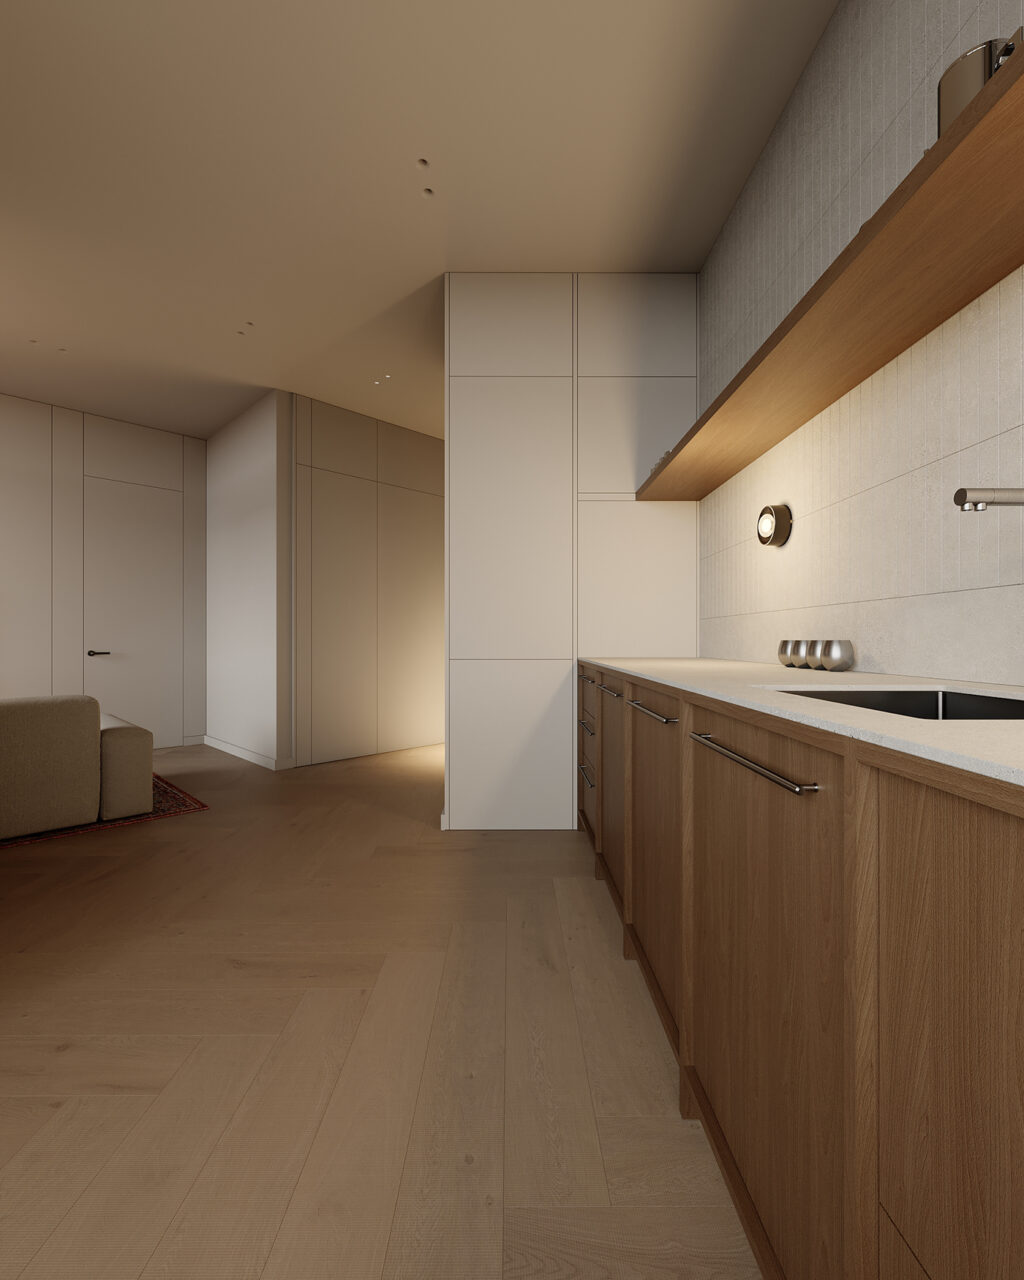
column 994, row 748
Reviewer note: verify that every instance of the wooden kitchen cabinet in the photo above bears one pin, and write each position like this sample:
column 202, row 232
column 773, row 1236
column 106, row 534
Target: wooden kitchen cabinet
column 654, row 874
column 951, row 1042
column 768, row 978
column 613, row 780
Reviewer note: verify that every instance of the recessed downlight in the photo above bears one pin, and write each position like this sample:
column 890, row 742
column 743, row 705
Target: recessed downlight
column 423, row 162
column 428, row 191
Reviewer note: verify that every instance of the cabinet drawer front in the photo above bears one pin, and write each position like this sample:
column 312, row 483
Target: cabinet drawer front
column 768, row 1031
column 655, row 906
column 587, row 795
column 951, row 1029
column 588, row 695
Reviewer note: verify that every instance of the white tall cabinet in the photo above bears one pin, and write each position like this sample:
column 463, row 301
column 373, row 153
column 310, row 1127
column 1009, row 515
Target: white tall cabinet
column 369, row 585
column 105, row 526
column 562, row 393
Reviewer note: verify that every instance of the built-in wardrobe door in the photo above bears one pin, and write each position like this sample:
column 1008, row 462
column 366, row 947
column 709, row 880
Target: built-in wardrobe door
column 133, row 603
column 343, row 596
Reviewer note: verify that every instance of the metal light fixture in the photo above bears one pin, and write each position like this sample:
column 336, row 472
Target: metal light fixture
column 774, row 525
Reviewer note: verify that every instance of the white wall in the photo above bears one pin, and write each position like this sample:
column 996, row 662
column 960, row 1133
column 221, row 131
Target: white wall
column 369, row 641
column 563, row 391
column 249, row 594
column 48, row 455
column 878, row 553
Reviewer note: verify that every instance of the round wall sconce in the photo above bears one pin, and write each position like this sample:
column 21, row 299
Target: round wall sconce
column 774, row 525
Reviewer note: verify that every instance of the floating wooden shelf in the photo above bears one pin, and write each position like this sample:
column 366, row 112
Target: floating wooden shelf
column 952, row 229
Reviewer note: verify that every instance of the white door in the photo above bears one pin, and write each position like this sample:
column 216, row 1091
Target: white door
column 133, row 604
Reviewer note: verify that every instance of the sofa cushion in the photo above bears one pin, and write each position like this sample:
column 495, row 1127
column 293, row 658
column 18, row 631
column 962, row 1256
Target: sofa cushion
column 49, row 763
column 126, row 768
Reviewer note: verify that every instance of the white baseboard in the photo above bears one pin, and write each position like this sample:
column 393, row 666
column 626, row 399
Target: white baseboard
column 194, row 740
column 243, row 753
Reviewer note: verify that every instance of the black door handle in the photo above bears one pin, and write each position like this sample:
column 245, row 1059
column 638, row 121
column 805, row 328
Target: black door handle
column 98, row 653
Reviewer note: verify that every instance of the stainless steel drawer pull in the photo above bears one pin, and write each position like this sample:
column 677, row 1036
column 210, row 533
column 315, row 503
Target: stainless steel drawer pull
column 587, row 680
column 797, row 788
column 611, row 692
column 585, row 778
column 653, row 714
column 585, row 727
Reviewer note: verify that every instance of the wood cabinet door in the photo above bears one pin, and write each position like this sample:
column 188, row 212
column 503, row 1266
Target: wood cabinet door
column 656, row 848
column 613, row 789
column 951, row 1044
column 768, row 996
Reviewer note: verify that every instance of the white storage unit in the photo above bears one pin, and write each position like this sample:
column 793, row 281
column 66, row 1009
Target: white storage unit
column 109, row 522
column 369, row 585
column 563, row 392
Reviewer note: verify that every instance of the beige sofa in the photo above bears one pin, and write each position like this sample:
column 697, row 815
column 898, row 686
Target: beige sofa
column 63, row 763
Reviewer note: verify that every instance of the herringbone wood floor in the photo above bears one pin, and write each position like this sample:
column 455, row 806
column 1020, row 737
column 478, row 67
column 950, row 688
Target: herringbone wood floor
column 306, row 1035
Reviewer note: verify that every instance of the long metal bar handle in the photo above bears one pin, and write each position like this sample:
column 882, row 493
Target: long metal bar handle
column 797, row 788
column 611, row 692
column 639, row 706
column 587, row 679
column 585, row 727
column 582, row 770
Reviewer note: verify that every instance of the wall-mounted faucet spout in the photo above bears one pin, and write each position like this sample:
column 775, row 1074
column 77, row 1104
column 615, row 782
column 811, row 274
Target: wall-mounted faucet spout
column 980, row 499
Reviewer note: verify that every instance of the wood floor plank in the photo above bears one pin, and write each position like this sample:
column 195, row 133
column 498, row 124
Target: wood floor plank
column 338, row 1221
column 700, row 1243
column 150, row 966
column 448, row 1221
column 119, row 1012
column 73, row 1064
column 51, row 1171
column 632, row 1069
column 552, row 1152
column 660, row 1161
column 114, row 1226
column 20, row 1119
column 230, row 1217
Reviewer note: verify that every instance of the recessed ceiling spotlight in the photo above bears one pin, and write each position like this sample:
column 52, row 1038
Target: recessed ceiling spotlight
column 423, row 162
column 33, row 339
column 249, row 323
column 428, row 191
column 240, row 332
column 388, row 376
column 62, row 348
column 376, row 382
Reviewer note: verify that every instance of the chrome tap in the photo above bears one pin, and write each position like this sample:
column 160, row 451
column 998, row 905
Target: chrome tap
column 981, row 499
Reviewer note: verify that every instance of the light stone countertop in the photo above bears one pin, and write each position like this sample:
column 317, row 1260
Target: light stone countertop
column 994, row 748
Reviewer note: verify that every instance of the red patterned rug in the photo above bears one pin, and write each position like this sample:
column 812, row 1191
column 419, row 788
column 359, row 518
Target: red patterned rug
column 168, row 802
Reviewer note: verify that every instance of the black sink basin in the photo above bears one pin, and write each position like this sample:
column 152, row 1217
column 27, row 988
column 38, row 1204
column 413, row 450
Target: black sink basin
column 923, row 704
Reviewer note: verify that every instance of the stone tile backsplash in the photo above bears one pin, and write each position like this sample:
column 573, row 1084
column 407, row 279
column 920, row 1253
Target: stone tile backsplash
column 878, row 553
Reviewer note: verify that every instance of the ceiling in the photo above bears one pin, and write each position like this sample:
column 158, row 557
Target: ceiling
column 205, row 198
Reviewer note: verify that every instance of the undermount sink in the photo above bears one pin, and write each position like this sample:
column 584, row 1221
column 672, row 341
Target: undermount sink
column 923, row 704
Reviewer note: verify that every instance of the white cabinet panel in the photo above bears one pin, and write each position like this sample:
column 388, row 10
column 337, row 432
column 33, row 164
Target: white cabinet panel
column 139, row 455
column 344, row 617
column 637, row 325
column 194, row 579
column 510, row 750
column 625, row 425
column 637, row 579
column 510, row 517
column 25, row 539
column 410, row 459
column 304, row 430
column 411, row 618
column 344, row 441
column 68, row 649
column 509, row 324
column 133, row 604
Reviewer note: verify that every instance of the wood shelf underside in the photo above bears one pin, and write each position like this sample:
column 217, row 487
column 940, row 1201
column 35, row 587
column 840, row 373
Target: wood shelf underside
column 951, row 230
